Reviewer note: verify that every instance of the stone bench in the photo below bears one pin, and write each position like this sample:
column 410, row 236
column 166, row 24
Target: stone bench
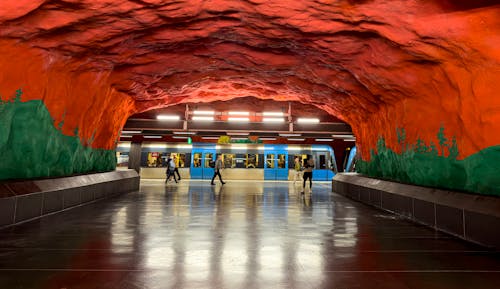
column 21, row 201
column 471, row 217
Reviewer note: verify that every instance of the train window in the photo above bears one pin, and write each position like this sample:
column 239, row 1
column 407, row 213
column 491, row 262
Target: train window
column 240, row 161
column 154, row 159
column 252, row 161
column 322, row 162
column 281, row 161
column 229, row 160
column 197, row 160
column 208, row 158
column 181, row 161
column 270, row 161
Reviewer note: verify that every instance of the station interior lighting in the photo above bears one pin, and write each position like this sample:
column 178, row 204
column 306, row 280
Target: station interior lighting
column 273, row 119
column 267, row 138
column 131, row 131
column 342, row 136
column 296, row 139
column 184, row 132
column 290, row 134
column 152, row 136
column 324, row 139
column 308, row 120
column 272, row 113
column 238, row 133
column 204, row 112
column 168, row 117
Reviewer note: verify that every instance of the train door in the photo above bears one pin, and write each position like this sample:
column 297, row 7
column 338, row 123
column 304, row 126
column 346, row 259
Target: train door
column 200, row 164
column 197, row 164
column 320, row 172
column 281, row 165
column 275, row 163
column 269, row 165
column 208, row 157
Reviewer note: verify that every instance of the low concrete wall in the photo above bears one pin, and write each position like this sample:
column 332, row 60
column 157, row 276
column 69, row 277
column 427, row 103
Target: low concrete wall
column 21, row 201
column 471, row 217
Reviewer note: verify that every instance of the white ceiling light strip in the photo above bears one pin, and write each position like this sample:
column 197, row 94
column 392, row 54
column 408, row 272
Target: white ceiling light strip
column 308, row 120
column 204, row 112
column 273, row 119
column 168, row 117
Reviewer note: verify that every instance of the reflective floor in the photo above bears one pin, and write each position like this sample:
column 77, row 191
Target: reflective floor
column 241, row 235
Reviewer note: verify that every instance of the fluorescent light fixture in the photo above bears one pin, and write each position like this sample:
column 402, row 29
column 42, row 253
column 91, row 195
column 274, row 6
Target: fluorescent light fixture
column 324, row 139
column 180, row 137
column 204, row 112
column 267, row 138
column 184, row 132
column 207, row 118
column 290, row 134
column 237, row 133
column 184, row 146
column 210, row 137
column 131, row 131
column 272, row 113
column 152, row 136
column 126, row 136
column 296, row 139
column 342, row 135
column 273, row 119
column 350, row 139
column 168, row 117
column 308, row 120
column 124, row 145
column 240, row 119
column 238, row 113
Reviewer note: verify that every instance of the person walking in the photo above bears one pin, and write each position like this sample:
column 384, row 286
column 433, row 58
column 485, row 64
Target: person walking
column 309, row 165
column 171, row 170
column 218, row 167
column 298, row 168
column 176, row 170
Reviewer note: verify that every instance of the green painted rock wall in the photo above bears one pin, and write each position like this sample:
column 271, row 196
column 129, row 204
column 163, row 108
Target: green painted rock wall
column 436, row 165
column 31, row 147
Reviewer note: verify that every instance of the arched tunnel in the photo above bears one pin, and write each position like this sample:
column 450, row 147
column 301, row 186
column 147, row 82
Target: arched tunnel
column 400, row 73
column 414, row 80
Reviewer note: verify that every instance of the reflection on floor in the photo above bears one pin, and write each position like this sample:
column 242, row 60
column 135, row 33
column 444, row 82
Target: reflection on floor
column 240, row 235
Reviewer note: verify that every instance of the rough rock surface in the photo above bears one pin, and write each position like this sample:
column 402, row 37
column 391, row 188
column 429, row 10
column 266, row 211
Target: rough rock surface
column 378, row 65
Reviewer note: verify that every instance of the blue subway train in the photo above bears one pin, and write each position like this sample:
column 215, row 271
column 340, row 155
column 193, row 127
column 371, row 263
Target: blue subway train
column 241, row 161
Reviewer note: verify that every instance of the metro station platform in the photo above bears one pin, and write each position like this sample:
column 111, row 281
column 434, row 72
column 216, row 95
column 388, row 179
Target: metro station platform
column 245, row 234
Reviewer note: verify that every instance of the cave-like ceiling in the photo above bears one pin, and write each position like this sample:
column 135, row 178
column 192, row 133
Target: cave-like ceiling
column 370, row 63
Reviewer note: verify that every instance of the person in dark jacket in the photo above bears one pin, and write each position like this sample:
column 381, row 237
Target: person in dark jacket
column 308, row 169
column 218, row 167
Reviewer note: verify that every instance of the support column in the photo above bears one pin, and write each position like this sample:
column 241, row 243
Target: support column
column 134, row 157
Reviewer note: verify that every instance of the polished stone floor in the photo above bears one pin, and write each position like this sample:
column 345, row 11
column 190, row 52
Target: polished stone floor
column 241, row 235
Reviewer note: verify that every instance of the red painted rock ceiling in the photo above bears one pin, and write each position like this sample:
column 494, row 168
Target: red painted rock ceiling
column 378, row 65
